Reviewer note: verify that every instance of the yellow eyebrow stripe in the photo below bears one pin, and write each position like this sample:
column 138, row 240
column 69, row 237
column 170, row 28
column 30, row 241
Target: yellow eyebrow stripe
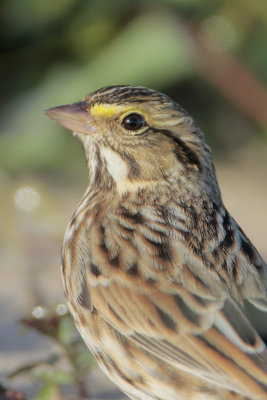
column 107, row 109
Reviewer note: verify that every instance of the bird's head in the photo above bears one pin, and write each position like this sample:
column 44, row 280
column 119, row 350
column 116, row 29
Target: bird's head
column 141, row 136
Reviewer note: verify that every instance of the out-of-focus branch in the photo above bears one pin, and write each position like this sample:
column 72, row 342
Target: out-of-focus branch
column 232, row 79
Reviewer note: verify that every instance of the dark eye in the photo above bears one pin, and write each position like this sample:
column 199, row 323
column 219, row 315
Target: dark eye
column 133, row 122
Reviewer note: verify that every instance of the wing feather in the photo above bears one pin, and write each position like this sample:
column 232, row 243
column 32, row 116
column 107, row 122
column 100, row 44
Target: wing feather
column 216, row 346
column 183, row 303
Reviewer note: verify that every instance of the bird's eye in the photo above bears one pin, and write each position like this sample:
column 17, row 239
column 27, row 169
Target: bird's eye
column 133, row 122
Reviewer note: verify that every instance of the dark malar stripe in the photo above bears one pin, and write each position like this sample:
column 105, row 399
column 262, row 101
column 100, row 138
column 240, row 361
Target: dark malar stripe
column 134, row 167
column 183, row 153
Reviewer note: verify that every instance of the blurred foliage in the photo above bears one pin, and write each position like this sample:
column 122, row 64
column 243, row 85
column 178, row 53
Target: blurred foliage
column 51, row 372
column 55, row 52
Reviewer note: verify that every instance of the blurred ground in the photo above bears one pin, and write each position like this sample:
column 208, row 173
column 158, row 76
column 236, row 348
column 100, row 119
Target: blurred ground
column 30, row 267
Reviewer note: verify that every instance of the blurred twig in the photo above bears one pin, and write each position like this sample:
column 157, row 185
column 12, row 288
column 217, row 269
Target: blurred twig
column 232, row 79
column 58, row 326
column 9, row 394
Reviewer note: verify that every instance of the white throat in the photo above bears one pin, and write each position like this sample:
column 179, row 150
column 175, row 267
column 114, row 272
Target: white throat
column 117, row 167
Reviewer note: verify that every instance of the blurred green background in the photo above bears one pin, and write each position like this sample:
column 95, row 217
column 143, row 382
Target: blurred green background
column 209, row 55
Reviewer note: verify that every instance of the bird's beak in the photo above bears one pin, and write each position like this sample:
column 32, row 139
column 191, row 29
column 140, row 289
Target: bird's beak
column 74, row 117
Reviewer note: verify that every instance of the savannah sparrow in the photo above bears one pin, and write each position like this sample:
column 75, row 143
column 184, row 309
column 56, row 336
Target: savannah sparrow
column 160, row 279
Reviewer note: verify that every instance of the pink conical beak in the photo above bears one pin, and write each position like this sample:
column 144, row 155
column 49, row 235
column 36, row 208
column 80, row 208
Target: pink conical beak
column 74, row 117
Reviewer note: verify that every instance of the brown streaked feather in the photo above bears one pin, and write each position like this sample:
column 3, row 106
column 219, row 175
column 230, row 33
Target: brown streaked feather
column 174, row 327
column 170, row 306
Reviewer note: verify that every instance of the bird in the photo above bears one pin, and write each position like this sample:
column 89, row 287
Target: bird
column 162, row 283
